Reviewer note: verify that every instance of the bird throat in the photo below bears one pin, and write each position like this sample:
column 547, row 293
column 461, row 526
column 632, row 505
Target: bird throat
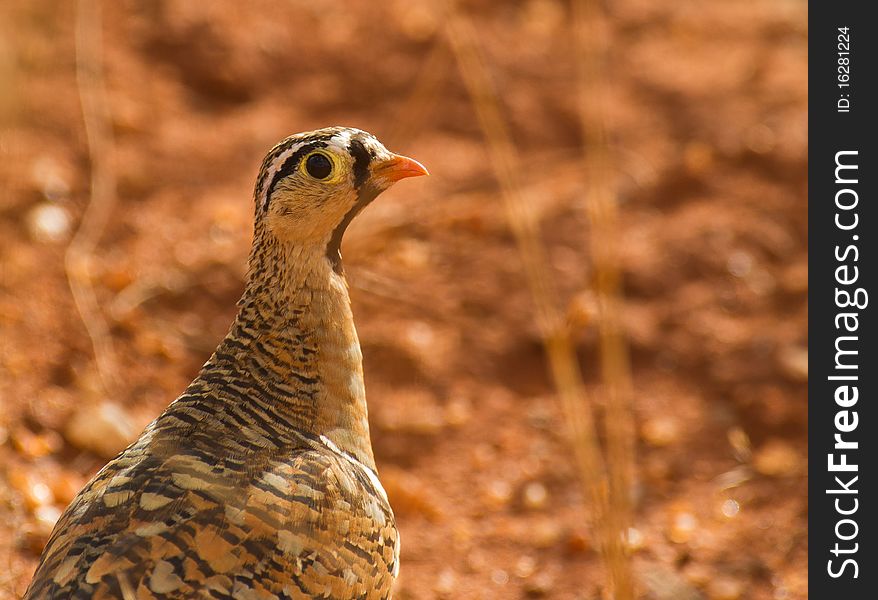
column 367, row 192
column 293, row 355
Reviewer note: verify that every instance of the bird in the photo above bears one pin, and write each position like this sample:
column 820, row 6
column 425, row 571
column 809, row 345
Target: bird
column 259, row 481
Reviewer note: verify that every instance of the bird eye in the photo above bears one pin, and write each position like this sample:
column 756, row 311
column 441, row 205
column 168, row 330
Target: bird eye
column 318, row 166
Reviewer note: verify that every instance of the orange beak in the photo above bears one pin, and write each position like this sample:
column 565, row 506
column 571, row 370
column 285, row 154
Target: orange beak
column 398, row 167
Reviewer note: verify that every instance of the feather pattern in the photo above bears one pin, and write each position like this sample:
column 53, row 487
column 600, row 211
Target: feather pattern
column 259, row 481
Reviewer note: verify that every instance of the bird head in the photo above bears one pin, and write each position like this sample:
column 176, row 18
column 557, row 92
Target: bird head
column 313, row 184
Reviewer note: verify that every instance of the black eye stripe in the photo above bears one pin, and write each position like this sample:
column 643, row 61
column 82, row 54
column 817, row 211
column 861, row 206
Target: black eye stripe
column 362, row 158
column 290, row 165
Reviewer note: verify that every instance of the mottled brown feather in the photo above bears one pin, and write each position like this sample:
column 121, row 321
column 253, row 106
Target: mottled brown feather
column 259, row 481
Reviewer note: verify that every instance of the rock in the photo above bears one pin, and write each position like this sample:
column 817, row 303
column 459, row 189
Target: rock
column 498, row 493
column 545, row 533
column 777, row 458
column 46, row 517
column 104, row 428
column 794, row 362
column 33, row 490
column 540, row 585
column 724, row 588
column 683, row 525
column 499, row 576
column 525, row 567
column 408, row 494
column 634, row 539
column 65, row 486
column 730, row 508
column 535, row 495
column 446, row 583
column 36, row 445
column 578, row 541
column 661, row 431
column 48, row 223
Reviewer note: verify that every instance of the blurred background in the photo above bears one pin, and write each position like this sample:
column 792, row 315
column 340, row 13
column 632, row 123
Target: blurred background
column 620, row 185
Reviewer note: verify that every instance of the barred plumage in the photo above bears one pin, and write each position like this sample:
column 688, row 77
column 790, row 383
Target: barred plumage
column 259, row 480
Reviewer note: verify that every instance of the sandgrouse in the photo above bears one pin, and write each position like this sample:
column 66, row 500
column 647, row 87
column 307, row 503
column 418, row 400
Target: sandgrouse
column 259, row 481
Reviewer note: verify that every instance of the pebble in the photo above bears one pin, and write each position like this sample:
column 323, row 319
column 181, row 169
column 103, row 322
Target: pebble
column 65, row 486
column 578, row 541
column 540, row 585
column 683, row 525
column 730, row 508
column 777, row 458
column 51, row 178
column 661, row 431
column 104, row 428
column 33, row 490
column 48, row 223
column 498, row 493
column 458, row 412
column 545, row 533
column 36, row 445
column 446, row 582
column 525, row 567
column 47, row 516
column 499, row 576
column 408, row 494
column 413, row 255
column 535, row 495
column 794, row 362
column 634, row 539
column 724, row 588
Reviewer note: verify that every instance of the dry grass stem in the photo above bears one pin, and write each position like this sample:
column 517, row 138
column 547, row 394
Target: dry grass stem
column 80, row 253
column 421, row 100
column 591, row 34
column 559, row 346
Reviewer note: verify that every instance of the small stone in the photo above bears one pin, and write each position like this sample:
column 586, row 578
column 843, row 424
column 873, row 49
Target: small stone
column 794, row 279
column 777, row 458
column 578, row 541
column 413, row 255
column 498, row 493
column 33, row 490
column 408, row 494
column 458, row 412
column 730, row 508
column 724, row 588
column 760, row 138
column 525, row 567
column 634, row 539
column 446, row 583
column 545, row 533
column 50, row 178
column 499, row 576
column 105, row 429
column 36, row 445
column 794, row 362
column 740, row 264
column 48, row 223
column 698, row 157
column 418, row 22
column 535, row 495
column 661, row 431
column 47, row 516
column 682, row 527
column 65, row 486
column 539, row 586
column 35, row 535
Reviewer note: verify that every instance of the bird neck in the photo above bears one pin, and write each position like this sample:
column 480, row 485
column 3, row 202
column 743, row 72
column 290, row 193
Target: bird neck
column 294, row 340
